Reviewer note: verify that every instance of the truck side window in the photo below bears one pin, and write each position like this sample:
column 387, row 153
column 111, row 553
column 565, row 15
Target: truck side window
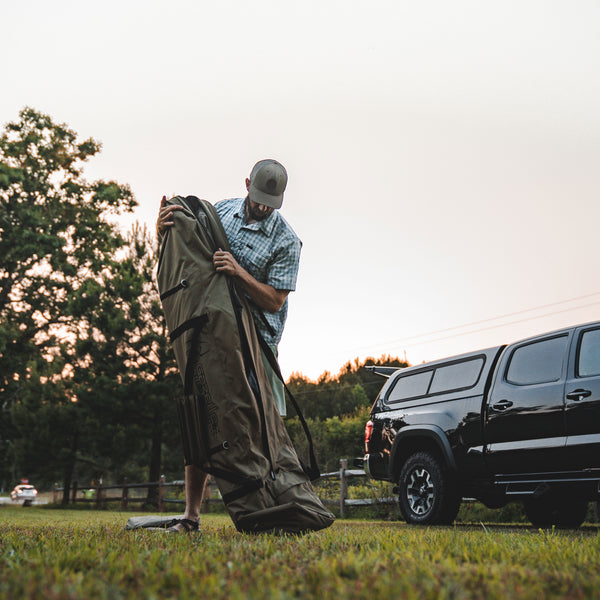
column 589, row 354
column 538, row 362
column 459, row 376
column 410, row 386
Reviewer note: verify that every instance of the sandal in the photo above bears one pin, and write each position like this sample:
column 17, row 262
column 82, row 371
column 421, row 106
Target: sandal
column 187, row 526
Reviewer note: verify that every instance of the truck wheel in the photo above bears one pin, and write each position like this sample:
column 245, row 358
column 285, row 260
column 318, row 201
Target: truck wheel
column 428, row 494
column 558, row 512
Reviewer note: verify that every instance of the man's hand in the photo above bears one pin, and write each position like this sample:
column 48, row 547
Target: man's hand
column 165, row 216
column 225, row 263
column 263, row 294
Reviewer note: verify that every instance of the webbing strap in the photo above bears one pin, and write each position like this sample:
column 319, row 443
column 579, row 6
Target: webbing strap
column 191, row 324
column 311, row 470
column 232, row 477
column 194, row 204
column 182, row 284
column 263, row 318
column 243, row 491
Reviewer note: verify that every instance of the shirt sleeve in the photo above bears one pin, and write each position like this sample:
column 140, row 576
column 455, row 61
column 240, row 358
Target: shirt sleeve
column 283, row 271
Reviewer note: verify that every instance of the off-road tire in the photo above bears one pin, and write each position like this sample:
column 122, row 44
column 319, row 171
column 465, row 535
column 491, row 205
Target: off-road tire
column 427, row 491
column 564, row 513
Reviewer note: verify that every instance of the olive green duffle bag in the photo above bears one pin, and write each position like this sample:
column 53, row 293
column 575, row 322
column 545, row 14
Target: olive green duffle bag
column 230, row 424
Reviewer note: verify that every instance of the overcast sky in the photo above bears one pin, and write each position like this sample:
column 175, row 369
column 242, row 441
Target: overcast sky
column 443, row 157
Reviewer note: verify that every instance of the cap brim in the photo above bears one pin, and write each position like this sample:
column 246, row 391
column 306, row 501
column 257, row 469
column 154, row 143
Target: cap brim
column 265, row 199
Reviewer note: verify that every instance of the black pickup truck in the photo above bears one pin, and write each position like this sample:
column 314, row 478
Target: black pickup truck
column 513, row 423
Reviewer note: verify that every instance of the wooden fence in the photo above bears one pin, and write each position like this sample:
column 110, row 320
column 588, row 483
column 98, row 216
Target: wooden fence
column 98, row 494
column 344, row 475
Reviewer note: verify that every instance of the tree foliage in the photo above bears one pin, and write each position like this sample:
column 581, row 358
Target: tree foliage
column 336, row 396
column 337, row 409
column 57, row 244
column 55, row 240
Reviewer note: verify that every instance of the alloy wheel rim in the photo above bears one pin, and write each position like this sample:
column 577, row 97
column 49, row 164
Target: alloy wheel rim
column 420, row 491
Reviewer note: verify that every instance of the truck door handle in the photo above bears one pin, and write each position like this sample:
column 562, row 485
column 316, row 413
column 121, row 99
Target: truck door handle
column 579, row 395
column 502, row 405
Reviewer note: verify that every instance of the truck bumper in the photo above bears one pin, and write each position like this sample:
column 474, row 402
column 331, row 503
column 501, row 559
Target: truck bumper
column 375, row 465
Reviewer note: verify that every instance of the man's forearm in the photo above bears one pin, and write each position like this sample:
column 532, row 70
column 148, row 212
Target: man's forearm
column 263, row 295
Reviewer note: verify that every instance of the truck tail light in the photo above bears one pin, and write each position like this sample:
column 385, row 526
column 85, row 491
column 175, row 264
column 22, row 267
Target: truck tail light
column 368, row 433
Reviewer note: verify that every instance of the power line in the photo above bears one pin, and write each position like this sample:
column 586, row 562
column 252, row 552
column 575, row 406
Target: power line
column 520, row 312
column 506, row 324
column 532, row 318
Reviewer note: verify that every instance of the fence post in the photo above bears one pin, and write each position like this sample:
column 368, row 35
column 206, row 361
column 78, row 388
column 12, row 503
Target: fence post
column 125, row 494
column 98, row 493
column 161, row 494
column 343, row 486
column 74, row 492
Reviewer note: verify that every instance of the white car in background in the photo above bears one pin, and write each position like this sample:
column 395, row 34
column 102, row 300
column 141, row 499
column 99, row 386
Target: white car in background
column 24, row 493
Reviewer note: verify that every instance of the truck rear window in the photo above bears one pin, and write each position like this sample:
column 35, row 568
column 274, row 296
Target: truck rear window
column 410, row 386
column 537, row 362
column 458, row 376
column 448, row 377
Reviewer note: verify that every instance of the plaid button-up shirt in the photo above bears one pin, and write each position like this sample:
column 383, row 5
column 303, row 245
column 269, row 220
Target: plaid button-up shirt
column 270, row 251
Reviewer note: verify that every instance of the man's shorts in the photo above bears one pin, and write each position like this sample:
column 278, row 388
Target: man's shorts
column 276, row 383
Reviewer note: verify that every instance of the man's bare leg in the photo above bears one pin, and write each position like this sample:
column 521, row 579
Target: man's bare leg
column 195, row 482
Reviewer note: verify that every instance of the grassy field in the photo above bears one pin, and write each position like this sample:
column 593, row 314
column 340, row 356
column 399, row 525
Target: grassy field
column 54, row 554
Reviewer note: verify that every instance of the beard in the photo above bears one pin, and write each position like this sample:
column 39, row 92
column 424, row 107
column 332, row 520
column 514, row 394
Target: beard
column 255, row 213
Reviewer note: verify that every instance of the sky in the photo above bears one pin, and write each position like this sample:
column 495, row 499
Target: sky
column 443, row 157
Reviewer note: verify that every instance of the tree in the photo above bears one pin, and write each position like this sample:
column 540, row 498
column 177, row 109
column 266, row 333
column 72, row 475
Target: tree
column 56, row 242
column 132, row 399
column 336, row 408
column 336, row 396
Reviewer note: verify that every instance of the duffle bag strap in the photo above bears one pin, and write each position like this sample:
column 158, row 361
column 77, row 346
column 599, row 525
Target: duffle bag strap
column 312, row 470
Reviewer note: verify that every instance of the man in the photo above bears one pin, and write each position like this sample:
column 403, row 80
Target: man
column 264, row 258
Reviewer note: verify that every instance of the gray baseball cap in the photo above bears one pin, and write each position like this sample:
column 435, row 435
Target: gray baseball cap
column 267, row 183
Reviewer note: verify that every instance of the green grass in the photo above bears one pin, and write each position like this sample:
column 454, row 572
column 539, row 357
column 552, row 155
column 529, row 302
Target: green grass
column 54, row 554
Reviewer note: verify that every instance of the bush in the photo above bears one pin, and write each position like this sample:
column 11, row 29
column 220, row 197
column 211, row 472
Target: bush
column 334, row 438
